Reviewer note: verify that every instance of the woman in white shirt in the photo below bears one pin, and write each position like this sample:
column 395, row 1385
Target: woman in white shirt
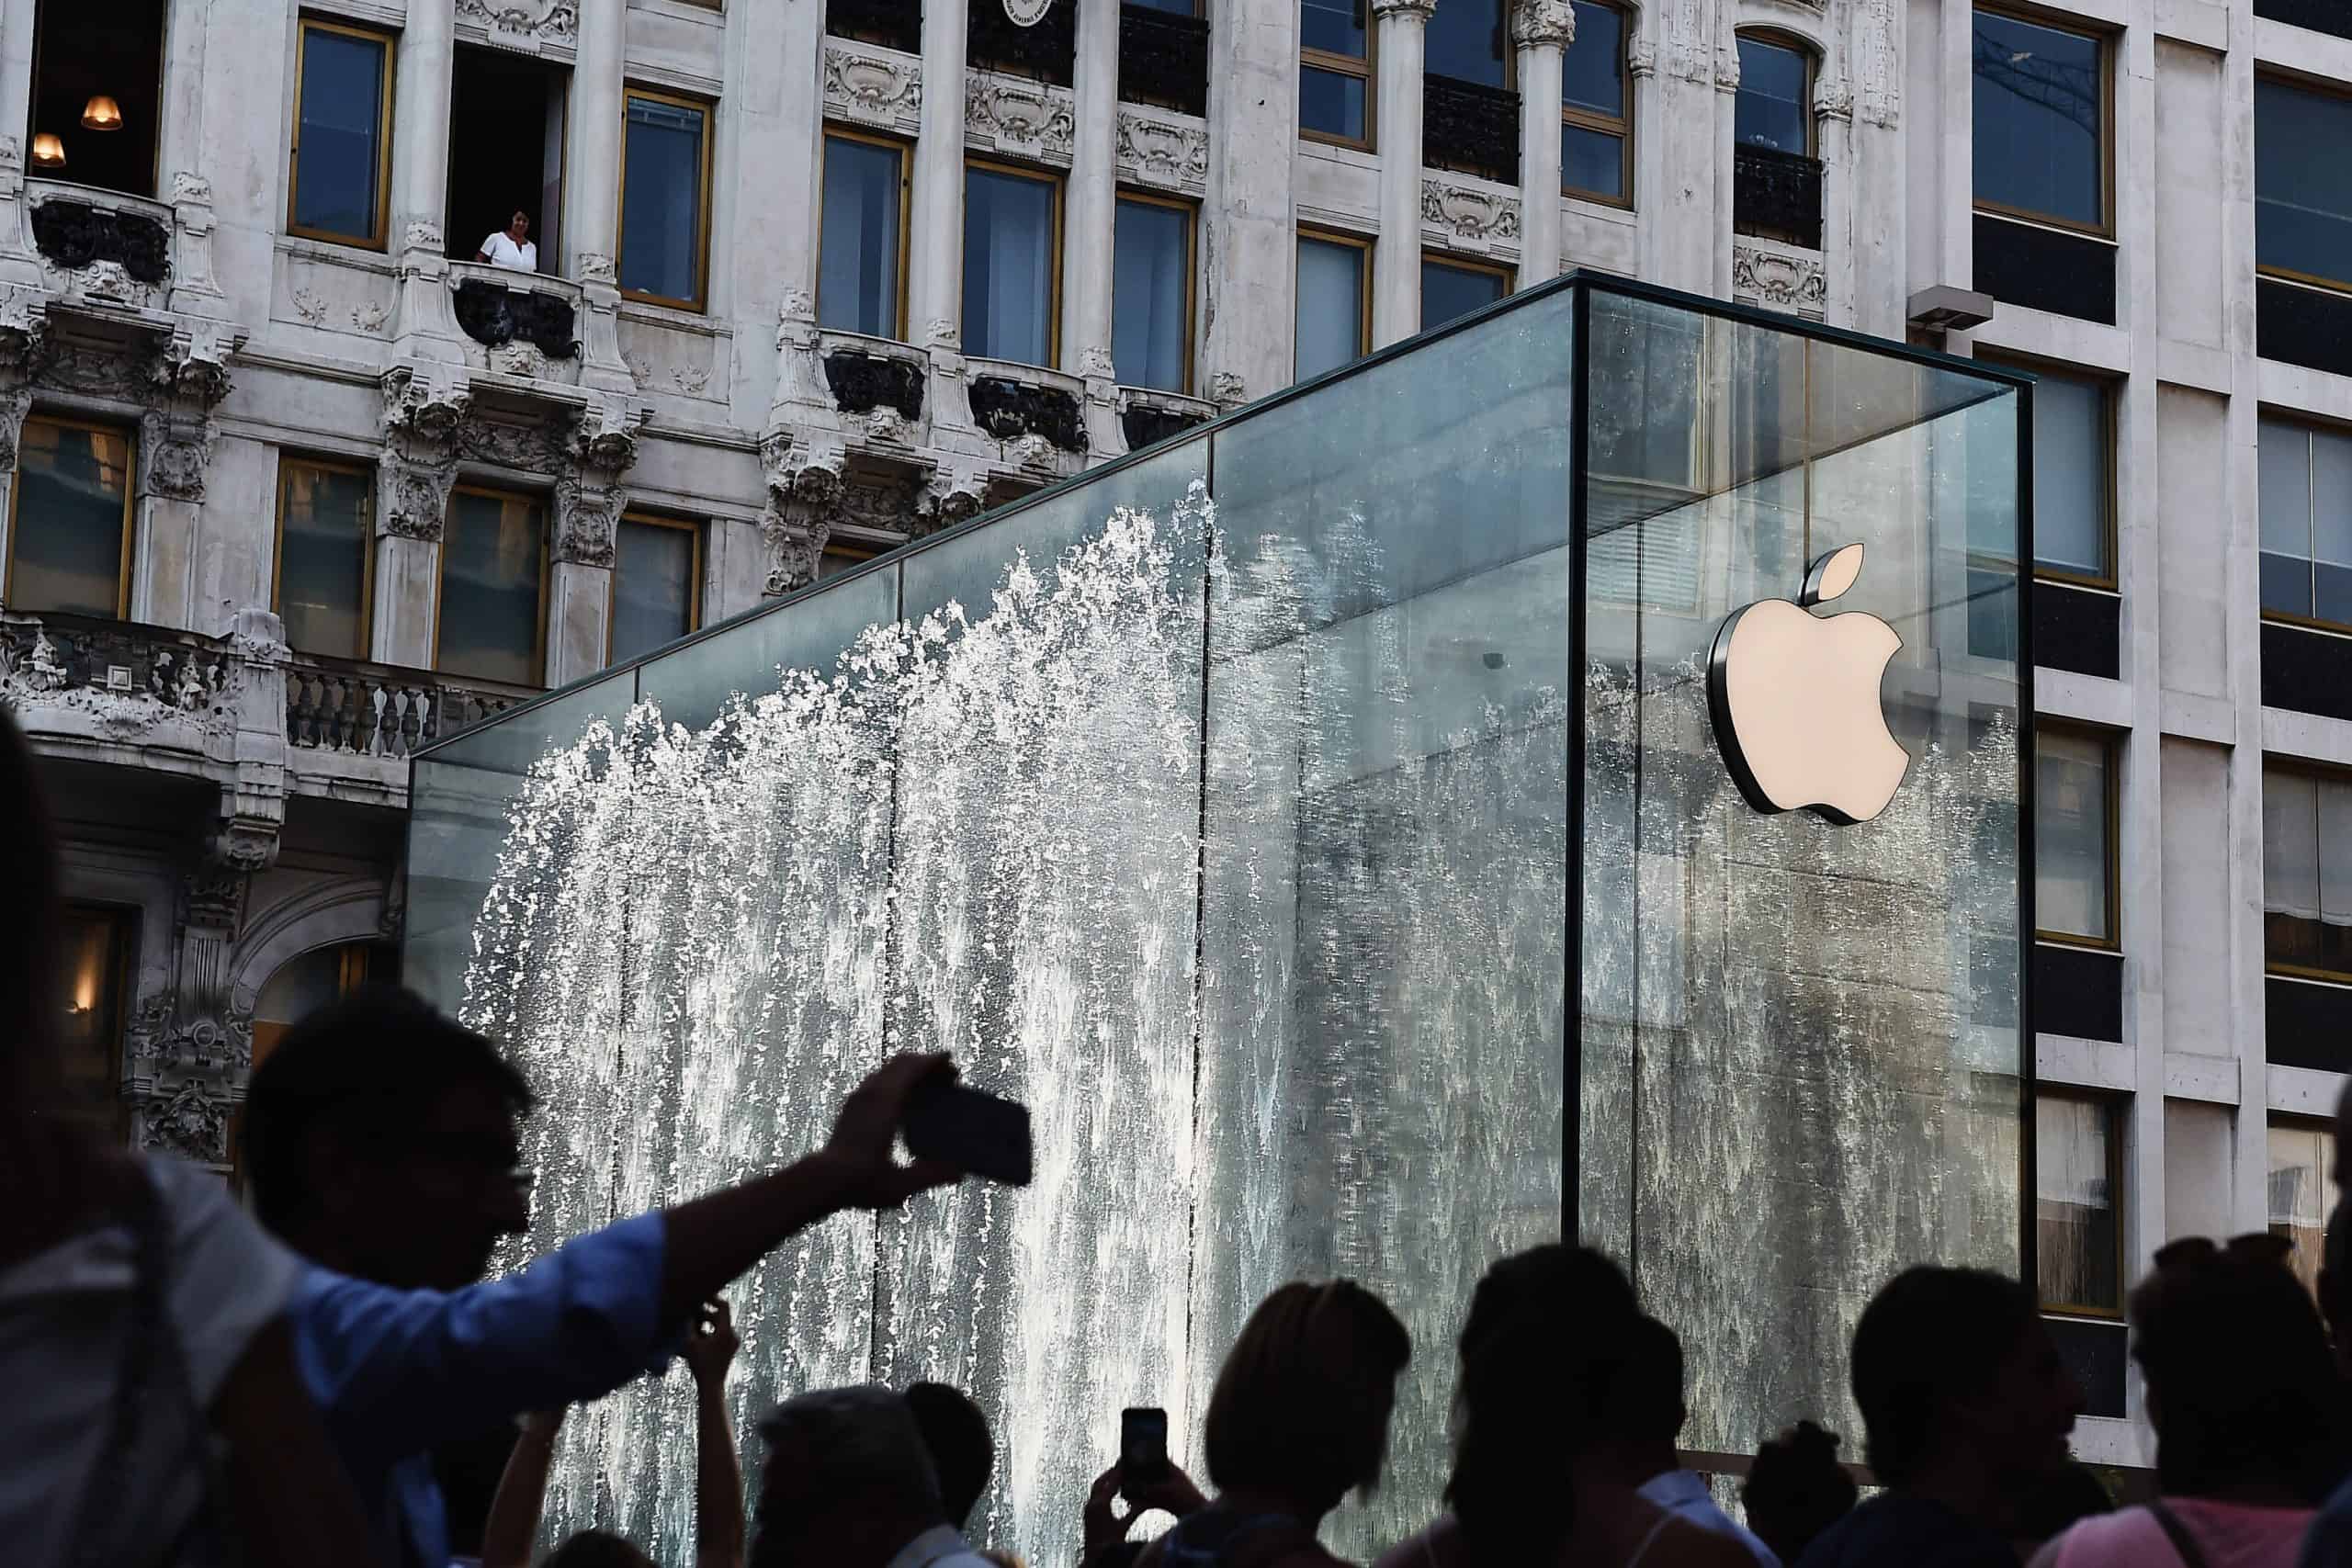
column 154, row 1416
column 511, row 247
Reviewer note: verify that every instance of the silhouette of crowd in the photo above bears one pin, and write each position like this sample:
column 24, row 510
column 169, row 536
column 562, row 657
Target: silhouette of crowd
column 191, row 1383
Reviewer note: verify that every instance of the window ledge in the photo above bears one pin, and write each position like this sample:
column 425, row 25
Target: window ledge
column 702, row 323
column 2109, row 241
column 330, row 253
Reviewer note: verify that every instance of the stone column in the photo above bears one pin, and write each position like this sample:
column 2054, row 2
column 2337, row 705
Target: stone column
column 588, row 501
column 421, row 178
column 181, row 145
column 592, row 190
column 1249, row 293
column 23, row 321
column 935, row 282
column 424, row 406
column 1086, row 226
column 1543, row 30
column 1833, row 116
column 1396, row 261
column 182, row 382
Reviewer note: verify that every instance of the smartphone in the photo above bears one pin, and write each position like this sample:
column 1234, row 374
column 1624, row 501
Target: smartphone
column 1143, row 1450
column 971, row 1131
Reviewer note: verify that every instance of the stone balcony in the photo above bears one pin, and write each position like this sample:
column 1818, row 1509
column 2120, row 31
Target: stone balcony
column 525, row 324
column 106, row 249
column 1147, row 414
column 878, row 386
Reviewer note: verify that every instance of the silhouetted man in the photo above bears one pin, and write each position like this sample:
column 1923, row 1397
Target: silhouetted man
column 849, row 1485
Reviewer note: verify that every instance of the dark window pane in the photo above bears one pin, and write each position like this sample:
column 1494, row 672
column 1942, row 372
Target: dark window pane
column 336, row 160
column 2299, row 1199
column 661, row 200
column 1331, row 102
column 2071, row 836
column 93, row 944
column 653, row 588
column 1151, row 287
column 2070, row 474
column 1331, row 307
column 66, row 550
column 1592, row 73
column 2080, row 1250
column 1451, row 292
column 2286, row 583
column 1770, row 110
column 1007, row 267
column 1180, row 7
column 857, row 271
column 2040, row 114
column 832, row 563
column 491, row 570
column 2303, row 181
column 323, row 560
column 1465, row 40
column 1335, row 27
column 1592, row 161
column 1992, row 614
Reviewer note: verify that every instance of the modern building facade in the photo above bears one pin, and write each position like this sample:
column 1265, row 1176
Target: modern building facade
column 295, row 483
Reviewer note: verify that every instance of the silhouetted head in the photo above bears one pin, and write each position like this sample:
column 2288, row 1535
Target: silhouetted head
column 595, row 1549
column 2241, row 1387
column 2066, row 1497
column 381, row 1138
column 1301, row 1406
column 1796, row 1489
column 848, row 1481
column 962, row 1452
column 1954, row 1364
column 2335, row 1282
column 27, row 921
column 1645, row 1409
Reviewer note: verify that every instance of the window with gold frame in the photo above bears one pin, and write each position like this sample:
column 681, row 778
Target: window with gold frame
column 1596, row 107
column 1013, row 261
column 656, row 585
column 1455, row 285
column 1152, row 262
column 1333, row 312
column 70, row 524
column 2074, row 799
column 2078, row 1207
column 1335, row 61
column 862, row 235
column 2042, row 123
column 339, row 160
column 664, row 243
column 491, row 623
column 844, row 555
column 325, row 557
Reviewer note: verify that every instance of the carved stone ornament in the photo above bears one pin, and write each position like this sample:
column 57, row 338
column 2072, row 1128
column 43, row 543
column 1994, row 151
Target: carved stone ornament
column 527, row 446
column 423, row 235
column 595, row 266
column 423, row 408
column 868, row 88
column 586, row 523
column 309, row 306
column 1008, row 113
column 1159, row 151
column 192, row 363
column 1019, row 412
column 1879, row 87
column 77, row 234
column 1028, row 13
column 417, row 499
column 556, row 20
column 1094, row 360
column 72, row 670
column 1783, row 282
column 1228, row 391
column 804, row 483
column 1413, row 10
column 174, row 454
column 955, row 493
column 494, row 315
column 864, row 382
column 605, row 443
column 1833, row 97
column 192, row 1125
column 190, row 186
column 1464, row 212
column 1539, row 24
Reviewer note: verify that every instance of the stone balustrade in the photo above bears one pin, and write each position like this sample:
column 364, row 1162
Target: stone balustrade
column 358, row 709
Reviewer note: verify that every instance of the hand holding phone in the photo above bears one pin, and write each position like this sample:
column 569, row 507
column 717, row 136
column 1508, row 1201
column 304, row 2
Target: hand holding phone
column 976, row 1132
column 1143, row 1450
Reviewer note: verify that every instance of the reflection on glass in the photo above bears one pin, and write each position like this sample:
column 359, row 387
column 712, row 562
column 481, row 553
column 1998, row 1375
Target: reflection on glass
column 2305, row 478
column 1770, row 110
column 2299, row 1197
column 2307, row 872
column 2071, row 456
column 839, row 559
column 1009, row 264
column 1332, row 102
column 1463, row 40
column 2072, row 836
column 1335, row 27
column 2079, row 1223
column 2302, row 185
column 1151, row 283
column 93, row 947
column 493, row 567
column 1593, row 163
column 1592, row 71
column 857, row 271
column 2040, row 115
column 662, row 199
column 70, row 534
column 338, row 157
column 303, row 984
column 654, row 566
column 1330, row 326
column 322, row 548
column 1449, row 290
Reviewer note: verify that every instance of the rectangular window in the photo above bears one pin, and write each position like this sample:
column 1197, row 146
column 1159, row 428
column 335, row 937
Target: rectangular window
column 94, row 946
column 342, row 145
column 1334, row 322
column 324, row 545
column 657, row 585
column 862, row 251
column 2073, row 836
column 1451, row 288
column 2303, row 183
column 2041, row 115
column 1335, row 72
column 1151, row 294
column 2307, row 873
column 1774, row 104
column 2304, row 477
column 1469, row 41
column 2078, row 1220
column 2298, row 1184
column 493, row 615
column 1011, row 263
column 841, row 555
column 69, row 547
column 2073, row 468
column 1596, row 116
column 665, row 197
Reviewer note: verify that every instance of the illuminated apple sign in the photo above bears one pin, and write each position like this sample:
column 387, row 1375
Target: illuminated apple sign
column 1795, row 704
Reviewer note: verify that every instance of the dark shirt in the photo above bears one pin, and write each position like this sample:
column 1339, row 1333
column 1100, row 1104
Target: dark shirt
column 1895, row 1531
column 2329, row 1542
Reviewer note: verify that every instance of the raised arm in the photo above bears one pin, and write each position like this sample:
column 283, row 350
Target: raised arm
column 718, row 1474
column 522, row 1492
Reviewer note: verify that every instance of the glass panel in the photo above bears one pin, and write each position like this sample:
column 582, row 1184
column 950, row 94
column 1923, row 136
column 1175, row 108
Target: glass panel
column 493, row 568
column 1592, row 71
column 2289, row 844
column 337, row 161
column 65, row 552
column 662, row 196
column 2040, row 115
column 1450, row 291
column 1335, row 27
column 2335, row 852
column 2076, row 1209
column 93, row 942
column 300, row 986
column 1151, row 286
column 693, row 684
column 834, row 560
column 1770, row 110
column 1330, row 306
column 653, row 587
column 2284, row 476
column 1463, row 40
column 2332, row 526
column 2070, row 461
column 1592, row 161
column 1007, row 267
column 857, row 274
column 2303, row 188
column 323, row 558
column 1332, row 102
column 2299, row 1195
column 2071, row 873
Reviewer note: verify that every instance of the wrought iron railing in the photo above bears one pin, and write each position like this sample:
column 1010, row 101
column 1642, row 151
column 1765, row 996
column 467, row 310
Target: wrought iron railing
column 893, row 24
column 1047, row 51
column 1164, row 59
column 1470, row 126
column 1776, row 194
column 2332, row 16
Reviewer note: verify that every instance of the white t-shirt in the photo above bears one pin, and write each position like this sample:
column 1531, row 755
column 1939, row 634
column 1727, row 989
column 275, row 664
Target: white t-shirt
column 503, row 250
column 63, row 1316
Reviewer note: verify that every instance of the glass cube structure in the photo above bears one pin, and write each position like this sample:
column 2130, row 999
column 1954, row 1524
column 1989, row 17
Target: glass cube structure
column 1324, row 822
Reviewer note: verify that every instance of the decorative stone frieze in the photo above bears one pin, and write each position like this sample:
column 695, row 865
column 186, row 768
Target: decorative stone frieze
column 1467, row 217
column 1006, row 114
column 803, row 482
column 588, row 499
column 554, row 21
column 1539, row 24
column 1164, row 151
column 425, row 408
column 872, row 87
column 1779, row 279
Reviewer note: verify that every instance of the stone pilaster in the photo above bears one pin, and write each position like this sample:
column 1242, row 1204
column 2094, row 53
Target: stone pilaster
column 424, row 406
column 23, row 322
column 935, row 280
column 425, row 325
column 186, row 376
column 1087, row 230
column 1397, row 260
column 1542, row 31
column 588, row 505
column 190, row 1050
column 592, row 229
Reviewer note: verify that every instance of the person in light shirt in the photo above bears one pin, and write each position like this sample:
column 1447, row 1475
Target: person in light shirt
column 511, row 247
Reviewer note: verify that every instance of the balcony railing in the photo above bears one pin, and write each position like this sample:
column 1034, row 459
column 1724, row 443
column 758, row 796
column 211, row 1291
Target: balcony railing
column 497, row 306
column 1007, row 407
column 863, row 380
column 1164, row 59
column 379, row 710
column 1047, row 51
column 1776, row 194
column 1471, row 127
column 125, row 676
column 75, row 227
column 893, row 24
column 2331, row 16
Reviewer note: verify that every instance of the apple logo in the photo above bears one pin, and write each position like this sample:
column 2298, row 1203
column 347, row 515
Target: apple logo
column 1796, row 704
